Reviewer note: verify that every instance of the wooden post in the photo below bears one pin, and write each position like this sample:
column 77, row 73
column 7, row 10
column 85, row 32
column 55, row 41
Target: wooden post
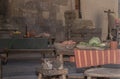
column 79, row 9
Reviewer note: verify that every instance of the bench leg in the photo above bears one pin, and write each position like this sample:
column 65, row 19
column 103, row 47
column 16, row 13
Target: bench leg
column 88, row 77
column 63, row 77
column 39, row 76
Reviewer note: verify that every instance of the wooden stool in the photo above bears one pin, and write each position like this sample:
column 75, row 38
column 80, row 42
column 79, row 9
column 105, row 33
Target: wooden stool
column 52, row 73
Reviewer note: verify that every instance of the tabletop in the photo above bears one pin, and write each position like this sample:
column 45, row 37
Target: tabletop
column 103, row 72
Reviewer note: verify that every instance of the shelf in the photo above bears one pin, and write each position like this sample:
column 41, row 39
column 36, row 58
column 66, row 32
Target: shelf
column 8, row 29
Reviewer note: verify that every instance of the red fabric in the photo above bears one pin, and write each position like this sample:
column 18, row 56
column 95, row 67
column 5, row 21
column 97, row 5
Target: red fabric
column 87, row 58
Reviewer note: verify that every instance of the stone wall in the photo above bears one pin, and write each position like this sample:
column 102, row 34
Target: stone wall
column 39, row 15
column 48, row 15
column 3, row 7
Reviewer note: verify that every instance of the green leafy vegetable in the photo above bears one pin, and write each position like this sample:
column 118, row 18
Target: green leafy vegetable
column 95, row 41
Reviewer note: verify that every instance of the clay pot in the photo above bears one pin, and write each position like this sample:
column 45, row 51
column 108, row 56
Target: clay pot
column 113, row 44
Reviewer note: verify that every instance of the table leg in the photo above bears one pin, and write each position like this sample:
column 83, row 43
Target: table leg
column 39, row 76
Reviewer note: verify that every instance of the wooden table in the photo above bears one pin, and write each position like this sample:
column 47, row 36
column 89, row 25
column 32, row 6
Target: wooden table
column 103, row 72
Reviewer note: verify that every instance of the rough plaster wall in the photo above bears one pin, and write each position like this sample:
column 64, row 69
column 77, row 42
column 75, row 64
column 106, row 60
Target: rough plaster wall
column 94, row 10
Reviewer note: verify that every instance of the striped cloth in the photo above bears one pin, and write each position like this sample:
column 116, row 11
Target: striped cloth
column 87, row 58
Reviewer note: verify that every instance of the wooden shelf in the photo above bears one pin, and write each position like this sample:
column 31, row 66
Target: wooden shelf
column 8, row 29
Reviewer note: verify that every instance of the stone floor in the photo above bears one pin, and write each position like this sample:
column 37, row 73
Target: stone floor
column 19, row 68
column 22, row 66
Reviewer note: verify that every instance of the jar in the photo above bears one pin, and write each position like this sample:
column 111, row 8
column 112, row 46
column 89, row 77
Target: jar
column 113, row 44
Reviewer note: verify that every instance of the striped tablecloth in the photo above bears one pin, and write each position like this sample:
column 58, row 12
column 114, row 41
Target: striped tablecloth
column 87, row 58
